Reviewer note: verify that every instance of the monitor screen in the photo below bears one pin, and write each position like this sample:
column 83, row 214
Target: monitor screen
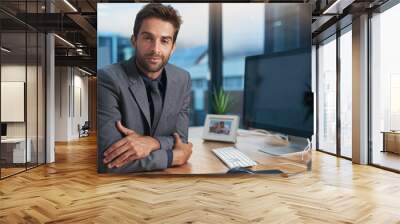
column 277, row 94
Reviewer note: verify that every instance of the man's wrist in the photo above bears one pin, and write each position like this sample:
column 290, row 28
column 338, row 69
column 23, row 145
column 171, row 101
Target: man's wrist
column 153, row 143
column 177, row 158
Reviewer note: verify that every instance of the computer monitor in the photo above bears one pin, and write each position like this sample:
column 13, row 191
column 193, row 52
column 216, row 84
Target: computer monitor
column 277, row 93
column 3, row 129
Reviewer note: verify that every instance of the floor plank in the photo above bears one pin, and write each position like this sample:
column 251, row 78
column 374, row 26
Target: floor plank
column 70, row 191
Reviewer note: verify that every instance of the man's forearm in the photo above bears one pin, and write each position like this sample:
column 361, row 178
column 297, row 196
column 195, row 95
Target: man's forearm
column 156, row 144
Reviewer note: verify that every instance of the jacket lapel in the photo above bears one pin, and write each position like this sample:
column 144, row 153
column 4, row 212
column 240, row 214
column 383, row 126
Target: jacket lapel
column 137, row 88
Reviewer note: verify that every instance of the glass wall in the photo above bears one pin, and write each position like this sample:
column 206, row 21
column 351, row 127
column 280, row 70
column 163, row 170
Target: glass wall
column 13, row 88
column 346, row 92
column 22, row 90
column 385, row 88
column 327, row 95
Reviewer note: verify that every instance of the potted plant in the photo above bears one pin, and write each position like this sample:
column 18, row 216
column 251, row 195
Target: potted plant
column 222, row 101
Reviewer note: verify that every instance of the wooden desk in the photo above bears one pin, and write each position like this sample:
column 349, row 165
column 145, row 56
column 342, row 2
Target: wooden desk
column 204, row 161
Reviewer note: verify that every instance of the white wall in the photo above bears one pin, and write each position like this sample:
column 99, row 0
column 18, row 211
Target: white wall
column 71, row 93
column 80, row 110
column 61, row 103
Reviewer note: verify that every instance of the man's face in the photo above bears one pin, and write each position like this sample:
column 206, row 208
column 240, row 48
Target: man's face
column 154, row 44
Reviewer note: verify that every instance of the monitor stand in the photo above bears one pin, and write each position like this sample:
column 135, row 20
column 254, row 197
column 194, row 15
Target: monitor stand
column 278, row 144
column 295, row 145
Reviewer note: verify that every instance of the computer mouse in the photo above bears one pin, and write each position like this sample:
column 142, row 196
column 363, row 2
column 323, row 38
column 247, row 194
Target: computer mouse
column 239, row 170
column 268, row 172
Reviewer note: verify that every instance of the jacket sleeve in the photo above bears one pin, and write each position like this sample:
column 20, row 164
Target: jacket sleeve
column 182, row 125
column 108, row 113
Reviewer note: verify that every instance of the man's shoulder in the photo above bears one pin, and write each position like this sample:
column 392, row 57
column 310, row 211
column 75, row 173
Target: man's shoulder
column 177, row 70
column 113, row 72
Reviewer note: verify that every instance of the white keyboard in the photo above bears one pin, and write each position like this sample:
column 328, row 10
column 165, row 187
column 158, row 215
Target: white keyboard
column 232, row 157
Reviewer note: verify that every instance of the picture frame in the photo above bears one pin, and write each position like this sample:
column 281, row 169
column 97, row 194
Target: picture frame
column 221, row 128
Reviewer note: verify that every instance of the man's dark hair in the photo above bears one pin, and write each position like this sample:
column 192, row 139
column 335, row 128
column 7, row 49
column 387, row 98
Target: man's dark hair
column 159, row 11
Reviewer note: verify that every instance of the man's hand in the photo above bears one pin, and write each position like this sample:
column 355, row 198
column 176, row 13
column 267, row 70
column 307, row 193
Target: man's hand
column 132, row 147
column 182, row 151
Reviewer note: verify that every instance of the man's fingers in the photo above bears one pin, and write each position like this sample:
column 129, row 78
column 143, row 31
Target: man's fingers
column 129, row 159
column 116, row 145
column 118, row 162
column 177, row 138
column 117, row 152
column 124, row 130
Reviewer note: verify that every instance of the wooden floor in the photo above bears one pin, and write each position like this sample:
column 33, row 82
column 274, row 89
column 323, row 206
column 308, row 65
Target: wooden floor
column 70, row 191
column 5, row 172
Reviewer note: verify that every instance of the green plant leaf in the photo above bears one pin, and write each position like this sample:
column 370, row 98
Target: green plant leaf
column 222, row 101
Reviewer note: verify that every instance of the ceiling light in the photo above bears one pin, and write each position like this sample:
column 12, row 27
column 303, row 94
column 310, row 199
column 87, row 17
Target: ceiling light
column 64, row 40
column 84, row 71
column 70, row 5
column 329, row 9
column 338, row 6
column 5, row 50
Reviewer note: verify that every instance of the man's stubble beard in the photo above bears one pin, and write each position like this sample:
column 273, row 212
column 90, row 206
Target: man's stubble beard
column 142, row 62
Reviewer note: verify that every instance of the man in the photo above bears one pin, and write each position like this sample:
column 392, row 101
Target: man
column 143, row 103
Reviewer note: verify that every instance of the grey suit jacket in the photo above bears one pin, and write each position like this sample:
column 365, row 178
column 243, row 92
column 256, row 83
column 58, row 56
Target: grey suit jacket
column 121, row 95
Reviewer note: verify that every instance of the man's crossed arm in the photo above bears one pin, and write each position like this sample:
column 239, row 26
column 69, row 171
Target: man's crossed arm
column 134, row 146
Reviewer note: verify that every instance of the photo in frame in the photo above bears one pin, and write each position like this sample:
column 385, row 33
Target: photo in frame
column 221, row 128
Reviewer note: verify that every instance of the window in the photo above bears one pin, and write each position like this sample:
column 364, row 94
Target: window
column 385, row 84
column 240, row 40
column 346, row 93
column 327, row 96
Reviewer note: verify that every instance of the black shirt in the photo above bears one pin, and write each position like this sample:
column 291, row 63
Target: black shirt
column 162, row 83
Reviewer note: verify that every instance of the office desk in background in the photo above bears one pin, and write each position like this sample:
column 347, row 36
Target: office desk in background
column 391, row 141
column 204, row 161
column 13, row 150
